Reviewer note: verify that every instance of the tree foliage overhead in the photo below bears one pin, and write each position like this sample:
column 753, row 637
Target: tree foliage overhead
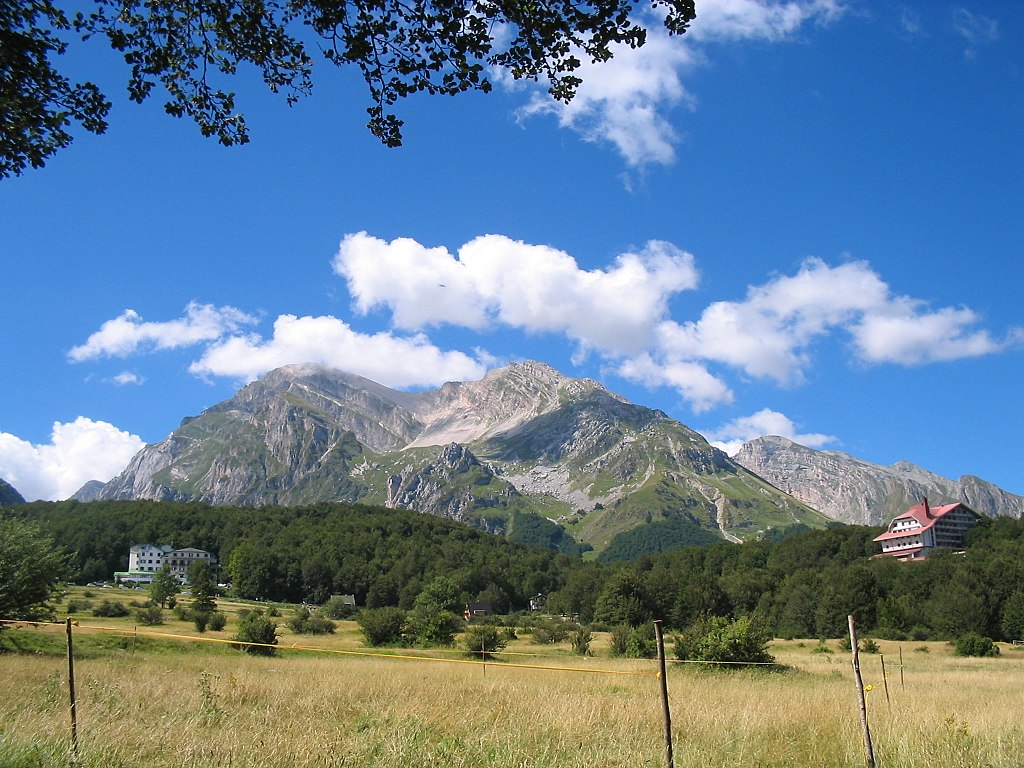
column 401, row 47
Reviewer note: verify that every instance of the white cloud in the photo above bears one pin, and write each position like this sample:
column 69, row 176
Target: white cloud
column 625, row 101
column 79, row 451
column 538, row 289
column 128, row 377
column 772, row 333
column 976, row 30
column 901, row 334
column 731, row 437
column 760, row 19
column 396, row 361
column 692, row 380
column 126, row 334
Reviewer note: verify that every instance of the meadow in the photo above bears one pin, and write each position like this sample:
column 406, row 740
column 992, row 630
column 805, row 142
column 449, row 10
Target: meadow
column 162, row 702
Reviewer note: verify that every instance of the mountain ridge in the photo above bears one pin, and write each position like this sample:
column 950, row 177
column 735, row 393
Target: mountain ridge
column 854, row 491
column 523, row 440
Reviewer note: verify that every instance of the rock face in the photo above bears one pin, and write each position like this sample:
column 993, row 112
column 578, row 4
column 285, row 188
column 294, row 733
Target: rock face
column 853, row 491
column 8, row 495
column 523, row 440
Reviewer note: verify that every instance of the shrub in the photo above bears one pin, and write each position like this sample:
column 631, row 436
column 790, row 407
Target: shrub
column 717, row 639
column 483, row 639
column 77, row 606
column 306, row 623
column 580, row 640
column 382, row 626
column 183, row 612
column 218, row 620
column 201, row 619
column 867, row 645
column 110, row 609
column 336, row 608
column 642, row 643
column 551, row 631
column 150, row 616
column 254, row 627
column 822, row 647
column 619, row 641
column 973, row 644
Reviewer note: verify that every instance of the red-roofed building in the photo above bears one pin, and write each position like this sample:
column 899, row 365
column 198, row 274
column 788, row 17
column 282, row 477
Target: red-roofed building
column 923, row 528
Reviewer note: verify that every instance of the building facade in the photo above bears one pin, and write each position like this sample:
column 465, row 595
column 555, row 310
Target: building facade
column 146, row 559
column 922, row 528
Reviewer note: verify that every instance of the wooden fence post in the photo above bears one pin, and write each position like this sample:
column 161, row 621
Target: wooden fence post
column 666, row 713
column 885, row 680
column 869, row 752
column 71, row 690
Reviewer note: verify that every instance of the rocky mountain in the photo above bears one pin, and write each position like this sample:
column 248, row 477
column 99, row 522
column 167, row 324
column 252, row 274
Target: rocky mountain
column 525, row 451
column 8, row 494
column 853, row 491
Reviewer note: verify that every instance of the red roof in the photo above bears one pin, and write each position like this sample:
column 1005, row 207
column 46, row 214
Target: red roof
column 925, row 516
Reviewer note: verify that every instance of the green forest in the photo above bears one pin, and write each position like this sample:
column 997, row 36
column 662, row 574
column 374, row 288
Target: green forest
column 802, row 586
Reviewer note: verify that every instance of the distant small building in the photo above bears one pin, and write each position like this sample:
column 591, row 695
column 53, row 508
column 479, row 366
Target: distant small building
column 146, row 559
column 474, row 610
column 538, row 602
column 922, row 528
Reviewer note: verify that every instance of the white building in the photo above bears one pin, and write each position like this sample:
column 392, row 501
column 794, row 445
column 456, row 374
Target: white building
column 921, row 528
column 146, row 559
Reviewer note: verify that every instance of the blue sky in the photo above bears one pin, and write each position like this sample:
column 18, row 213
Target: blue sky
column 802, row 218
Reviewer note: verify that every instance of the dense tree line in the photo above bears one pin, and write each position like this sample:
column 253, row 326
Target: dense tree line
column 807, row 584
column 802, row 586
column 382, row 556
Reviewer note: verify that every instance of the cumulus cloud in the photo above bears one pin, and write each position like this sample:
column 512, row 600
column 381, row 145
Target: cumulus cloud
column 625, row 102
column 494, row 280
column 128, row 333
column 128, row 377
column 78, row 451
column 731, row 437
column 772, row 332
column 621, row 313
column 397, row 361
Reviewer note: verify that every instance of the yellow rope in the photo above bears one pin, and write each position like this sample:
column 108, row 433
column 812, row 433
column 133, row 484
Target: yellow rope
column 316, row 649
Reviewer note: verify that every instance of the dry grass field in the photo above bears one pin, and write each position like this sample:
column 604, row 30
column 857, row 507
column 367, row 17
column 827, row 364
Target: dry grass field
column 160, row 703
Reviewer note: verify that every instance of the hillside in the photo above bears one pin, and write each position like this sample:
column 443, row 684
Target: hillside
column 9, row 495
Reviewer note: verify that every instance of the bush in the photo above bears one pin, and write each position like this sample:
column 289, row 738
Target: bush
column 183, row 612
column 77, row 606
column 973, row 644
column 150, row 616
column 717, row 639
column 642, row 643
column 580, row 641
column 201, row 619
column 382, row 626
column 619, row 641
column 551, row 631
column 110, row 609
column 306, row 623
column 822, row 647
column 336, row 608
column 218, row 620
column 483, row 639
column 867, row 645
column 254, row 627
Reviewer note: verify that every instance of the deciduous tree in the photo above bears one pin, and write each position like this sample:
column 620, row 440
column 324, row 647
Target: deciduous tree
column 32, row 568
column 191, row 48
